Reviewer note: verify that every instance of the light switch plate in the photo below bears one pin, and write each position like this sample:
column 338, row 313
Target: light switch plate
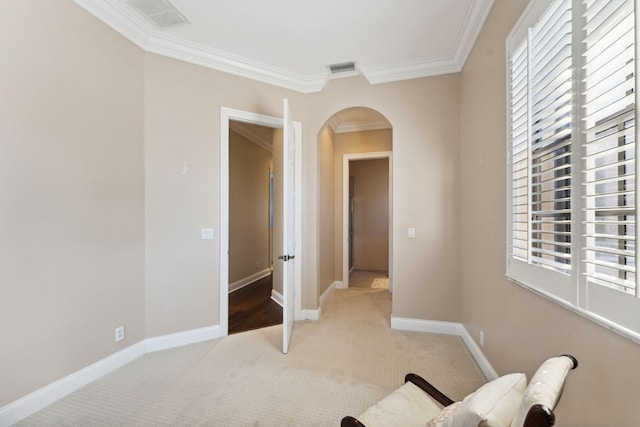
column 412, row 232
column 206, row 234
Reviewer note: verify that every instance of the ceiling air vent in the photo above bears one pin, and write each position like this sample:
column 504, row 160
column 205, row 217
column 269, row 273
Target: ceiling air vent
column 161, row 12
column 343, row 67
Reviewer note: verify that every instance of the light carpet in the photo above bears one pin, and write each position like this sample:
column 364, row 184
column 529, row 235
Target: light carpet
column 337, row 366
column 380, row 283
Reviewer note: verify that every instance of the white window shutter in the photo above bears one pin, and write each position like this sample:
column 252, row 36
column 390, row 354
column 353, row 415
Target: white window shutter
column 609, row 145
column 551, row 138
column 519, row 133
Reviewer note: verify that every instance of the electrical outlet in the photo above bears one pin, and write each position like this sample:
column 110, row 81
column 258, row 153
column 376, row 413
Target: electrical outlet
column 481, row 339
column 119, row 333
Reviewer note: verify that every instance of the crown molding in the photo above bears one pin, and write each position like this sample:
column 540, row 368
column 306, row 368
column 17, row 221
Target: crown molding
column 359, row 126
column 471, row 28
column 121, row 18
column 453, row 63
column 194, row 53
column 391, row 73
column 125, row 20
column 252, row 136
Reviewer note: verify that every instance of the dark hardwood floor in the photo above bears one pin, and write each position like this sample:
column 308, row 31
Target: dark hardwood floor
column 251, row 307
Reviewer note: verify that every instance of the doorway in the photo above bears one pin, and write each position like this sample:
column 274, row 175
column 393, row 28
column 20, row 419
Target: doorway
column 367, row 213
column 356, row 133
column 252, row 304
column 290, row 295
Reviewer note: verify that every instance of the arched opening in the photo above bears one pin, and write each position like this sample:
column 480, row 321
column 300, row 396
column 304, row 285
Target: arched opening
column 355, row 201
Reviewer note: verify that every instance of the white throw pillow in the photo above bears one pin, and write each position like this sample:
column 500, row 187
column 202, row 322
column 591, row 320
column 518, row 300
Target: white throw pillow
column 492, row 405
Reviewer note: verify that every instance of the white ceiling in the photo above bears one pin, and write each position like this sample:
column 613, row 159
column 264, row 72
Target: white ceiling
column 291, row 43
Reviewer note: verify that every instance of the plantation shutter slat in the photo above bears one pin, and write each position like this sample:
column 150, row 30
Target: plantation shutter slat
column 551, row 136
column 609, row 146
column 519, row 136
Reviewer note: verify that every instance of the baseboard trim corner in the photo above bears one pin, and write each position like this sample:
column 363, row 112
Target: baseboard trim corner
column 239, row 284
column 40, row 399
column 277, row 297
column 311, row 314
column 478, row 355
column 327, row 293
column 165, row 342
column 447, row 328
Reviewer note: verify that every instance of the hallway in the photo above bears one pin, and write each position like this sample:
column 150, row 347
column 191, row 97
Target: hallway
column 251, row 307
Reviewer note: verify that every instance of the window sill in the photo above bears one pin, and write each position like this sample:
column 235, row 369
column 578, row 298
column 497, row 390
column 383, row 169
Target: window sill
column 607, row 324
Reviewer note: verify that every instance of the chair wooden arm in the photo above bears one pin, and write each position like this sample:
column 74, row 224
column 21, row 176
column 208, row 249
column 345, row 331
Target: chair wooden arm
column 573, row 359
column 428, row 388
column 539, row 416
column 349, row 421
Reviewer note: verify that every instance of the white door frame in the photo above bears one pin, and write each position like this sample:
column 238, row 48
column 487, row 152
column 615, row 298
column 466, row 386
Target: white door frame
column 345, row 210
column 227, row 114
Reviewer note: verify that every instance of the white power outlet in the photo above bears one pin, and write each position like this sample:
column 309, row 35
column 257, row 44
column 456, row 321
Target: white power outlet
column 119, row 333
column 481, row 339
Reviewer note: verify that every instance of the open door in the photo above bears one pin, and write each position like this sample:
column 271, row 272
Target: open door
column 287, row 162
column 287, row 257
column 285, row 224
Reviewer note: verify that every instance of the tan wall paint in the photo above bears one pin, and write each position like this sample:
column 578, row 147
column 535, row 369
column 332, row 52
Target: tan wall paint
column 114, row 97
column 352, row 143
column 326, row 208
column 248, row 207
column 371, row 214
column 182, row 123
column 71, row 191
column 424, row 115
column 522, row 329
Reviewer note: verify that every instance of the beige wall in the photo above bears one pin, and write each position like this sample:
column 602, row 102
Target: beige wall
column 371, row 214
column 326, row 207
column 182, row 123
column 249, row 240
column 95, row 201
column 352, row 143
column 90, row 214
column 522, row 329
column 424, row 115
column 71, row 193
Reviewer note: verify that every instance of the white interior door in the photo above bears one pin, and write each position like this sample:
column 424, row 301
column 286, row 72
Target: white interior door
column 287, row 257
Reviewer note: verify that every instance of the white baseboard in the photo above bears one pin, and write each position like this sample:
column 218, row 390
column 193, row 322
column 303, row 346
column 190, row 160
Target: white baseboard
column 40, row 399
column 448, row 328
column 311, row 314
column 327, row 293
column 277, row 297
column 179, row 339
column 339, row 284
column 478, row 355
column 239, row 284
column 315, row 314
